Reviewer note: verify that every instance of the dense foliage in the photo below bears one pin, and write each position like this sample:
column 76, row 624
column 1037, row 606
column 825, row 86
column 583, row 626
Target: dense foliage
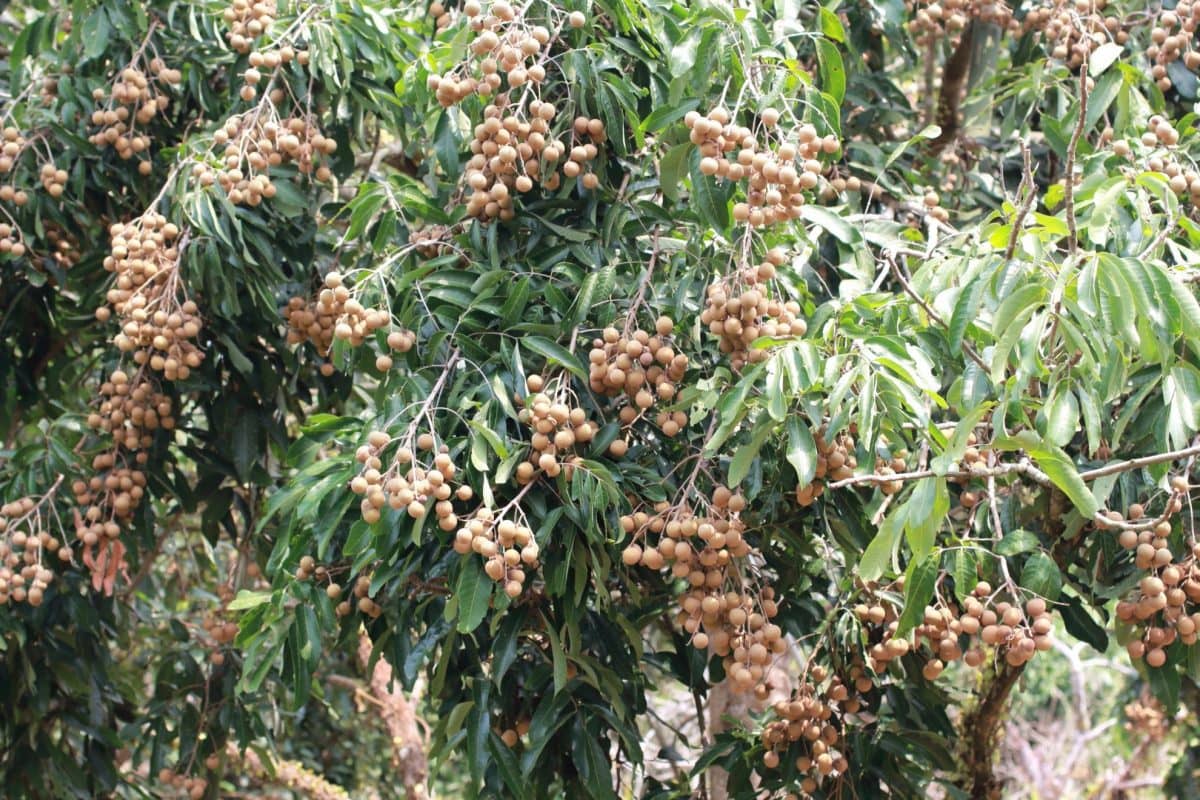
column 607, row 399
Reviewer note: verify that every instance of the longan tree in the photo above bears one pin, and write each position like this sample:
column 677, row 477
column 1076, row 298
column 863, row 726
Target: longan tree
column 601, row 398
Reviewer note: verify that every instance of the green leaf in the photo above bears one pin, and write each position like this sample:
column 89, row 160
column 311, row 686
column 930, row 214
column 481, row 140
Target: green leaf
column 743, row 459
column 473, row 590
column 555, row 353
column 958, row 443
column 878, row 555
column 1017, row 542
column 1062, row 415
column 1082, row 625
column 831, row 26
column 1040, row 575
column 802, row 450
column 835, row 225
column 709, row 202
column 833, row 73
column 248, row 599
column 918, row 591
column 927, row 508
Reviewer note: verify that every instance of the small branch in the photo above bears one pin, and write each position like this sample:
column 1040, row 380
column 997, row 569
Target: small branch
column 1029, row 188
column 1138, row 463
column 1069, row 180
column 933, row 315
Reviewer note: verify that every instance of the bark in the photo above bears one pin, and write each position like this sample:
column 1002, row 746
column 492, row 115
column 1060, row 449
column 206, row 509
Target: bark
column 724, row 705
column 954, row 81
column 980, row 733
column 408, row 746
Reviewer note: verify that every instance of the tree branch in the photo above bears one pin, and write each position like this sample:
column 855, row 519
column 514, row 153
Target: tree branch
column 980, row 729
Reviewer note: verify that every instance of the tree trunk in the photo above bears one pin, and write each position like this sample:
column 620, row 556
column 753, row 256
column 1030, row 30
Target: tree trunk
column 408, row 746
column 980, row 733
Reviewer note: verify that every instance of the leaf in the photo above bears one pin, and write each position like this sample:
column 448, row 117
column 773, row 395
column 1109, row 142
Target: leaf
column 1082, row 625
column 248, row 599
column 927, row 508
column 710, row 203
column 1062, row 415
column 473, row 590
column 1164, row 681
column 1103, row 57
column 831, row 222
column 743, row 459
column 831, row 26
column 918, row 591
column 671, row 169
column 1040, row 575
column 1017, row 542
column 555, row 353
column 875, row 558
column 833, row 73
column 802, row 450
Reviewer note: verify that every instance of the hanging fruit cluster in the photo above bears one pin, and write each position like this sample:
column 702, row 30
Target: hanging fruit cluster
column 556, row 430
column 507, row 547
column 642, row 367
column 1014, row 632
column 1074, row 29
column 722, row 610
column 807, row 730
column 248, row 21
column 514, row 150
column 129, row 106
column 336, row 314
column 411, row 481
column 777, row 174
column 258, row 140
column 1173, row 39
column 1163, row 607
column 935, row 20
column 1157, row 151
column 739, row 310
column 27, row 547
column 506, row 50
column 156, row 328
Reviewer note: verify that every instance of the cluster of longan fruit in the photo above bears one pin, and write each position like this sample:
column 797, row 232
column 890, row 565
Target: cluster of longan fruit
column 933, row 20
column 1066, row 23
column 336, row 315
column 193, row 787
column 776, row 177
column 556, row 429
column 431, row 241
column 1172, row 40
column 504, row 45
column 507, row 548
column 219, row 628
column 131, row 411
column 156, row 328
column 109, row 498
column 641, row 366
column 810, row 717
column 419, row 490
column 513, row 152
column 1146, row 717
column 248, row 21
column 24, row 543
column 253, row 144
column 363, row 601
column 1183, row 179
column 512, row 735
column 10, row 240
column 268, row 60
column 835, row 462
column 739, row 311
column 1159, row 607
column 64, row 247
column 133, row 100
column 10, row 151
column 1015, row 633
